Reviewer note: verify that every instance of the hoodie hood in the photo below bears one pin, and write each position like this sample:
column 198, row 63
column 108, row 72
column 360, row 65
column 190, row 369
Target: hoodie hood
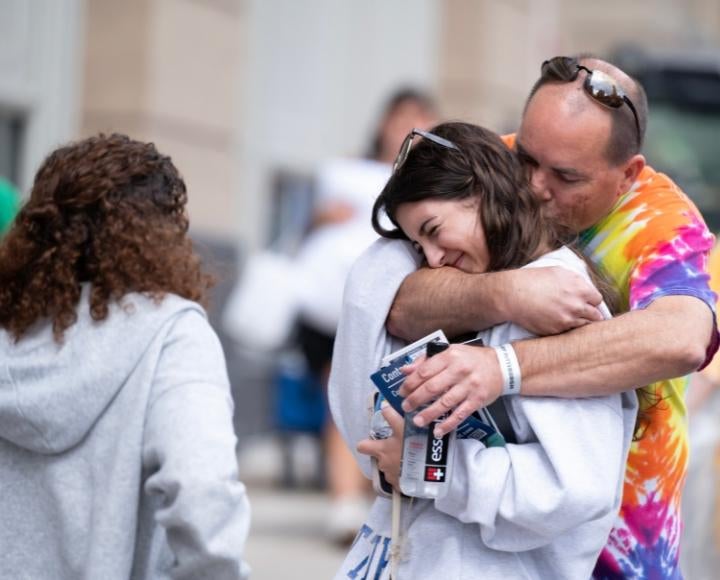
column 52, row 394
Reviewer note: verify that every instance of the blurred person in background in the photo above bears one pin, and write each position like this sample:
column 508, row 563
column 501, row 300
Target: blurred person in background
column 117, row 450
column 347, row 189
column 700, row 555
column 580, row 138
column 9, row 204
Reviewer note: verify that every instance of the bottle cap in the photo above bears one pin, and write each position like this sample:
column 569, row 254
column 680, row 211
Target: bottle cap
column 435, row 347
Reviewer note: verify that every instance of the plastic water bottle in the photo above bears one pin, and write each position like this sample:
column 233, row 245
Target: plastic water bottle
column 379, row 429
column 427, row 461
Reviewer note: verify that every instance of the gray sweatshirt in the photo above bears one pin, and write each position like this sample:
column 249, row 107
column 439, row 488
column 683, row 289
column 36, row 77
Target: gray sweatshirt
column 117, row 452
column 542, row 508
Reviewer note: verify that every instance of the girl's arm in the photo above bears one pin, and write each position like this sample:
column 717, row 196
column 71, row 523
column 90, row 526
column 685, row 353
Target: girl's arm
column 567, row 471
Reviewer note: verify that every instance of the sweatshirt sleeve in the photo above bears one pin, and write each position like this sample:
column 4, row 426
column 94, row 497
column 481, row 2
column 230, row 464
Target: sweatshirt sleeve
column 189, row 449
column 568, row 472
column 362, row 340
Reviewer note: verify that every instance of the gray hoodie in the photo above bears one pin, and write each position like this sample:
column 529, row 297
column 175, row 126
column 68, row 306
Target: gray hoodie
column 117, row 452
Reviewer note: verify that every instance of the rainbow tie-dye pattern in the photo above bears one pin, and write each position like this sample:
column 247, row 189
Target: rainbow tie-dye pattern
column 654, row 243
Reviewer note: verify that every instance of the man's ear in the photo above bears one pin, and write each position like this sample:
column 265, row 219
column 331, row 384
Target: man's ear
column 631, row 170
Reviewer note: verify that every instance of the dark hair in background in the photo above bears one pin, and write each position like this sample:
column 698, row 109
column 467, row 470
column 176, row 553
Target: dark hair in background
column 624, row 141
column 483, row 168
column 399, row 98
column 107, row 210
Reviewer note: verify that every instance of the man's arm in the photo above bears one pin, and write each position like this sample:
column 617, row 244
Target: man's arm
column 667, row 339
column 447, row 298
column 542, row 300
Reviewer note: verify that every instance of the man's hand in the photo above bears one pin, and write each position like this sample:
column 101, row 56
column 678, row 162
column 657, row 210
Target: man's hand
column 388, row 452
column 462, row 379
column 551, row 300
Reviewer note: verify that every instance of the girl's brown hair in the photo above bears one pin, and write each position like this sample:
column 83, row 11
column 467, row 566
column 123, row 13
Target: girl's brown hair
column 482, row 168
column 108, row 211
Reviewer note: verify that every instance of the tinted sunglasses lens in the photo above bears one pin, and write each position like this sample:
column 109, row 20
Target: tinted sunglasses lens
column 404, row 151
column 407, row 144
column 604, row 89
column 559, row 68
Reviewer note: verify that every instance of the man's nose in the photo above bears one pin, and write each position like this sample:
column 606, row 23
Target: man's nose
column 539, row 184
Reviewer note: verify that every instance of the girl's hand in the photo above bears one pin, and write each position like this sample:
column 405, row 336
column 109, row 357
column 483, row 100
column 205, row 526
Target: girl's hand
column 388, row 452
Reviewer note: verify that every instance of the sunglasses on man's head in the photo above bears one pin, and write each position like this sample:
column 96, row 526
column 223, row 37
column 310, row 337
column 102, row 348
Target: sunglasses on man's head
column 599, row 85
column 407, row 144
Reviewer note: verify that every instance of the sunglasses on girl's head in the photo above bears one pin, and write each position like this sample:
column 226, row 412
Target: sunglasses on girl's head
column 599, row 85
column 407, row 143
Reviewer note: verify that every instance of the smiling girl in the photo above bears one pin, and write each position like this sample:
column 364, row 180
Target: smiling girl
column 541, row 508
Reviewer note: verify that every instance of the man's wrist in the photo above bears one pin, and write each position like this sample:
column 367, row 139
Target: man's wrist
column 502, row 294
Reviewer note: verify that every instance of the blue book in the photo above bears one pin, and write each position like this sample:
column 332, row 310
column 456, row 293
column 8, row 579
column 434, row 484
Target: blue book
column 389, row 378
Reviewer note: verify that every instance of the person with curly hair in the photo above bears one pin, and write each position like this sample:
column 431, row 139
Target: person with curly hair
column 117, row 449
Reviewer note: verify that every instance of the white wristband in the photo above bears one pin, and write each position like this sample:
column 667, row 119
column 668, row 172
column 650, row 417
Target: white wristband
column 510, row 368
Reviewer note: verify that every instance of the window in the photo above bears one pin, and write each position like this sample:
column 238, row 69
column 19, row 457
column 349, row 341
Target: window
column 12, row 127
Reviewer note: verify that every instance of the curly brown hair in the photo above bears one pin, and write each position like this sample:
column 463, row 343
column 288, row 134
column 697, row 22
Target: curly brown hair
column 108, row 211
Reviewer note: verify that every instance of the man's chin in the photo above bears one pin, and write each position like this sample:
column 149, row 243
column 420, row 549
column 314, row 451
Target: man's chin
column 549, row 213
column 558, row 219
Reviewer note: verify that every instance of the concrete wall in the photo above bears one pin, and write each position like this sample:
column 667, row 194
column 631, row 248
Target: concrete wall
column 40, row 48
column 169, row 71
column 491, row 51
column 317, row 74
column 236, row 89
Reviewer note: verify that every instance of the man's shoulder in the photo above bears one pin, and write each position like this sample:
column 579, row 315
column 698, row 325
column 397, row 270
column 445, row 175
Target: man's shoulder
column 654, row 200
column 509, row 140
column 646, row 223
column 384, row 264
column 656, row 188
column 387, row 254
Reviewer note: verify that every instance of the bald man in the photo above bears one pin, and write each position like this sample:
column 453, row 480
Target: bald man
column 581, row 136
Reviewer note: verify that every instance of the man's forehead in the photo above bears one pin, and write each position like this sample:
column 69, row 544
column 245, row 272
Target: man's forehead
column 545, row 152
column 562, row 140
column 555, row 158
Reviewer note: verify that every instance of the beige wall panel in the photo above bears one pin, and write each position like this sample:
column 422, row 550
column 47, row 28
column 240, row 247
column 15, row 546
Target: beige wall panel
column 507, row 35
column 487, row 59
column 209, row 177
column 707, row 15
column 598, row 27
column 462, row 48
column 115, row 56
column 167, row 71
column 108, row 122
column 193, row 62
column 491, row 51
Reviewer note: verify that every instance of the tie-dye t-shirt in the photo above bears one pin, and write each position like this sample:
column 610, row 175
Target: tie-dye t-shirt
column 653, row 244
column 712, row 370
